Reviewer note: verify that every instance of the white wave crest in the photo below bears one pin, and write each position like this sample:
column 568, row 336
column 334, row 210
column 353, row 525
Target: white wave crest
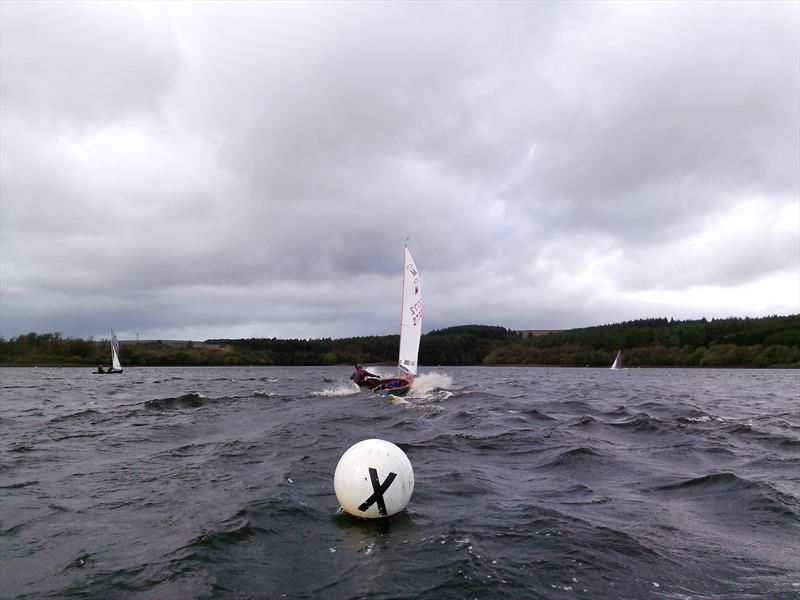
column 424, row 407
column 704, row 419
column 344, row 389
column 424, row 385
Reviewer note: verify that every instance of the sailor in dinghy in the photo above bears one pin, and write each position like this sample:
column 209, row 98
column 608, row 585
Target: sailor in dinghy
column 363, row 378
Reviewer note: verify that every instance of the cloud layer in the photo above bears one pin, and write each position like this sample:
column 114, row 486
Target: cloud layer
column 254, row 169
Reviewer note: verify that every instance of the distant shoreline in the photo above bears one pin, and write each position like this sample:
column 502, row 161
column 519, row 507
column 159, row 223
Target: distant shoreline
column 349, row 366
column 764, row 342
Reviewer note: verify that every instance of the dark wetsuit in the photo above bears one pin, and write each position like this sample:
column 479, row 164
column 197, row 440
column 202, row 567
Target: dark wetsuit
column 361, row 375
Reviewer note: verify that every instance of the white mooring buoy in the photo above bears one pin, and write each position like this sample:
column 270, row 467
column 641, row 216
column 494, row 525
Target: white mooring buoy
column 373, row 479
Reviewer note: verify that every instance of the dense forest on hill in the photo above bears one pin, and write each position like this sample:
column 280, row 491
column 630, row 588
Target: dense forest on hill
column 764, row 342
column 736, row 342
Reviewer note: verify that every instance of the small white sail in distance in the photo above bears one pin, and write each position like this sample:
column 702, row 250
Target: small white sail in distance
column 617, row 360
column 115, row 352
column 410, row 317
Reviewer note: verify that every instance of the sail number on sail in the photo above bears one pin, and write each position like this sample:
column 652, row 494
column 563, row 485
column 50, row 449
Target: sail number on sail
column 416, row 311
column 413, row 270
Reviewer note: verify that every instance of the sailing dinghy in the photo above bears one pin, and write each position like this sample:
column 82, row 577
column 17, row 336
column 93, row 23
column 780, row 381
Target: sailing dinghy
column 410, row 333
column 115, row 367
column 617, row 364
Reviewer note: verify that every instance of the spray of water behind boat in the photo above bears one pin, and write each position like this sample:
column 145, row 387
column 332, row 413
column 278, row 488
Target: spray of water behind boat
column 432, row 386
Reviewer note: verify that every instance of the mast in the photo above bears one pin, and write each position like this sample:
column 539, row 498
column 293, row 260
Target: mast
column 402, row 308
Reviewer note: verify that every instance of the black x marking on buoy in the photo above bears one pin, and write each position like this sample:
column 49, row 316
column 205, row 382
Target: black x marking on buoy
column 378, row 489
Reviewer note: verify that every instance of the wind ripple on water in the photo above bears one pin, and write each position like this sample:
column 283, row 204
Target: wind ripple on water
column 529, row 483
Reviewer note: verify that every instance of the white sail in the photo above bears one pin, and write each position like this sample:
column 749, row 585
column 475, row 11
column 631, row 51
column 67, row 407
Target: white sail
column 411, row 318
column 617, row 360
column 115, row 352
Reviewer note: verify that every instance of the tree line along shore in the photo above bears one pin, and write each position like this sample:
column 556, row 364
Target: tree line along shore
column 735, row 342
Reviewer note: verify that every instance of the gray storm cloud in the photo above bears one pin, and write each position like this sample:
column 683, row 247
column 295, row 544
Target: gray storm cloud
column 212, row 170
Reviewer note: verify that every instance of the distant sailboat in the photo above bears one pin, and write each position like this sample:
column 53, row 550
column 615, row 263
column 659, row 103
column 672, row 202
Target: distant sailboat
column 115, row 367
column 410, row 332
column 617, row 364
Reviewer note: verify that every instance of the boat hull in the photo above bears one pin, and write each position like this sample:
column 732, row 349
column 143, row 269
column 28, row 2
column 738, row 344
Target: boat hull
column 386, row 387
column 399, row 391
column 368, row 383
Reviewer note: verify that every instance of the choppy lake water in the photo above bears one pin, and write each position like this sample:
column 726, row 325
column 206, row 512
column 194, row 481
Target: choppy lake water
column 530, row 483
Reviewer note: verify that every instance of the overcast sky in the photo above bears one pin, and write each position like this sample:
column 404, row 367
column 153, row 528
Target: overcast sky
column 191, row 171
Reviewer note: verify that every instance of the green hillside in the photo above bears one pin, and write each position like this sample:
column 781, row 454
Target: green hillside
column 763, row 342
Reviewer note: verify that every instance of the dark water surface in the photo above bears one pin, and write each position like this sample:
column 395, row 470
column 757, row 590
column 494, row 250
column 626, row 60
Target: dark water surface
column 530, row 483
